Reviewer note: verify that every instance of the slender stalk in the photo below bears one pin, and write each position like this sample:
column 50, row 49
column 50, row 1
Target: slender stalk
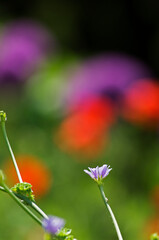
column 111, row 212
column 39, row 210
column 2, row 189
column 31, row 204
column 11, row 152
column 28, row 201
column 21, row 204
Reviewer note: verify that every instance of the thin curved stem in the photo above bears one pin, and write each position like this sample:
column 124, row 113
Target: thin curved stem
column 2, row 189
column 39, row 210
column 32, row 204
column 21, row 204
column 27, row 201
column 11, row 152
column 111, row 212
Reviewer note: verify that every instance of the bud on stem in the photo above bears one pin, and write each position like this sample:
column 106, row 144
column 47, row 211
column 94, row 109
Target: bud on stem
column 3, row 116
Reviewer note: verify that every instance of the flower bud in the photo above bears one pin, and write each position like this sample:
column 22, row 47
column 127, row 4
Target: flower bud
column 3, row 116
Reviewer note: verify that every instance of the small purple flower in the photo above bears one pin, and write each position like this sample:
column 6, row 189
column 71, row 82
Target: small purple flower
column 98, row 173
column 53, row 224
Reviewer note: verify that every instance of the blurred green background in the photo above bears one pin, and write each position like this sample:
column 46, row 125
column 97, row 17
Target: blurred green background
column 37, row 102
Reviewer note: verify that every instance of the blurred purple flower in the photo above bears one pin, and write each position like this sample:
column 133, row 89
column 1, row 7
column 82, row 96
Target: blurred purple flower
column 53, row 224
column 98, row 173
column 108, row 74
column 22, row 47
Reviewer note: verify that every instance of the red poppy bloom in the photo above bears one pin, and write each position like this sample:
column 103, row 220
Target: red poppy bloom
column 84, row 129
column 32, row 171
column 141, row 103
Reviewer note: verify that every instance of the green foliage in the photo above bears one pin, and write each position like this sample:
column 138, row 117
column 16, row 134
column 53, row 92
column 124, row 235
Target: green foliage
column 24, row 189
column 63, row 234
column 154, row 236
column 47, row 236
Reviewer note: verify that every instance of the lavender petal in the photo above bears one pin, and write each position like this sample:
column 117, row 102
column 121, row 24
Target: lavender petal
column 102, row 170
column 107, row 172
column 89, row 173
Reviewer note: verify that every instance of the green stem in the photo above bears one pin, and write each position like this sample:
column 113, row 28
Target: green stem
column 2, row 189
column 11, row 152
column 39, row 210
column 6, row 189
column 111, row 212
column 21, row 204
column 32, row 204
column 28, row 201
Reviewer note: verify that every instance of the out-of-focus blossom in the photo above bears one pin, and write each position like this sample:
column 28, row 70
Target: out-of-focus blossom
column 53, row 224
column 52, row 81
column 109, row 74
column 154, row 236
column 141, row 103
column 83, row 130
column 23, row 45
column 152, row 226
column 98, row 173
column 32, row 171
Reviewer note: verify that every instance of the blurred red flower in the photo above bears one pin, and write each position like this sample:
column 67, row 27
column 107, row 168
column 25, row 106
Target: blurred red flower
column 83, row 130
column 32, row 171
column 141, row 103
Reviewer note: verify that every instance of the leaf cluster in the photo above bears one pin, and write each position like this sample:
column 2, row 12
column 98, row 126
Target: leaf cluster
column 154, row 236
column 24, row 189
column 63, row 234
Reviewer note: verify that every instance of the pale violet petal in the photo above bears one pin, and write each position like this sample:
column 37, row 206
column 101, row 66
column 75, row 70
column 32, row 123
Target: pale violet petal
column 93, row 171
column 102, row 170
column 96, row 172
column 89, row 173
column 107, row 172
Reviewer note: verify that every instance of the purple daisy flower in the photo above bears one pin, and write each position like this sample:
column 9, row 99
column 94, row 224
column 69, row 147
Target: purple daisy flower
column 53, row 224
column 98, row 173
column 23, row 45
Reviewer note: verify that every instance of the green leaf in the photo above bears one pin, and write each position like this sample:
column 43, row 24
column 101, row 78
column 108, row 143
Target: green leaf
column 71, row 237
column 64, row 232
column 154, row 236
column 25, row 189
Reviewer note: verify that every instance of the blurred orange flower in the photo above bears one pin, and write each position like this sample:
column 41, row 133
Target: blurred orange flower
column 152, row 226
column 84, row 129
column 32, row 171
column 141, row 103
